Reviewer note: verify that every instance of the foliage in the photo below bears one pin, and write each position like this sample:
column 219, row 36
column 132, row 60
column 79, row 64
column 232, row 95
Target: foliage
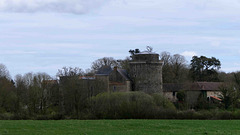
column 204, row 69
column 237, row 79
column 4, row 72
column 69, row 71
column 163, row 102
column 122, row 105
column 228, row 96
column 132, row 52
column 174, row 69
column 124, row 64
column 104, row 62
column 38, row 96
column 35, row 94
column 181, row 96
column 204, row 104
column 129, row 105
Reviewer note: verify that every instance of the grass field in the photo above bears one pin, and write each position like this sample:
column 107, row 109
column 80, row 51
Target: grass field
column 120, row 127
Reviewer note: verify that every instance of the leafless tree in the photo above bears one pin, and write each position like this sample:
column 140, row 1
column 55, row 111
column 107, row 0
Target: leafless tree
column 106, row 61
column 4, row 72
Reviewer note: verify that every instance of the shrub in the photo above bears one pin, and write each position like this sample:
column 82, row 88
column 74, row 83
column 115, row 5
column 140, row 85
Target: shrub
column 163, row 102
column 122, row 105
column 131, row 105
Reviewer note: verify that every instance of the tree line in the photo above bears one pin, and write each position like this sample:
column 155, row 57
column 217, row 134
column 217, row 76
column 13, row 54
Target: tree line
column 38, row 95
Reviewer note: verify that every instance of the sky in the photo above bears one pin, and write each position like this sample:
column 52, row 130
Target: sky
column 46, row 35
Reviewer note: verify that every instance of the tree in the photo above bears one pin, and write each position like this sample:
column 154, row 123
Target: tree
column 237, row 79
column 7, row 94
column 204, row 69
column 69, row 71
column 132, row 52
column 41, row 81
column 33, row 94
column 124, row 64
column 4, row 72
column 104, row 62
column 174, row 69
column 71, row 90
column 228, row 96
column 181, row 96
column 21, row 92
column 179, row 68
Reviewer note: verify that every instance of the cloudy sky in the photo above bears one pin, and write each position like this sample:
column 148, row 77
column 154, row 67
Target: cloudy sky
column 45, row 35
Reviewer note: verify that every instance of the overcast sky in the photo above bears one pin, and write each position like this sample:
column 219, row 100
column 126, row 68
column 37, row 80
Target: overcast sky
column 45, row 35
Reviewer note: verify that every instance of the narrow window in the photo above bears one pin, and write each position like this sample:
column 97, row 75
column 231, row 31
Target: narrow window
column 114, row 88
column 173, row 94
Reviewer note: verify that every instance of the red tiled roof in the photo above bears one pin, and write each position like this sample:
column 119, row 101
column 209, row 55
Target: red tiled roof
column 216, row 98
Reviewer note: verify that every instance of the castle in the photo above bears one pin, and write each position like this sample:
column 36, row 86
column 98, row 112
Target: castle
column 145, row 75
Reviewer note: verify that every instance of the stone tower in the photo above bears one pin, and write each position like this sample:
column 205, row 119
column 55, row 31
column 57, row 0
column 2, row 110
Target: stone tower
column 146, row 72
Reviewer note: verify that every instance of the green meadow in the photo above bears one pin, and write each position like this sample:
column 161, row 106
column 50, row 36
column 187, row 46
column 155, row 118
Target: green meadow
column 119, row 127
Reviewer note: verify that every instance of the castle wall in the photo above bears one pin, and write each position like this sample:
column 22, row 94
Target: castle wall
column 118, row 83
column 146, row 73
column 120, row 87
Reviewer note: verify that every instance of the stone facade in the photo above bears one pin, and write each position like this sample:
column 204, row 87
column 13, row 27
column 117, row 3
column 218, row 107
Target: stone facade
column 192, row 91
column 146, row 72
column 119, row 81
column 114, row 80
column 145, row 75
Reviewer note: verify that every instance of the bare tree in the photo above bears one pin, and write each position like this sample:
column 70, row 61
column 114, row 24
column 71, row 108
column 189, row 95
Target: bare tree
column 4, row 72
column 174, row 68
column 71, row 90
column 106, row 61
column 69, row 71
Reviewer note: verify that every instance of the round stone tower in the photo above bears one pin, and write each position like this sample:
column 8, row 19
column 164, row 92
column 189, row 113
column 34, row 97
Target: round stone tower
column 146, row 72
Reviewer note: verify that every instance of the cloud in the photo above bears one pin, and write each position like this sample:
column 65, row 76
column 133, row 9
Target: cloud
column 63, row 6
column 215, row 43
column 179, row 9
column 16, row 52
column 189, row 53
column 237, row 64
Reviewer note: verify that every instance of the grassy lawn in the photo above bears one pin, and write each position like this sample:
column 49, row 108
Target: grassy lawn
column 120, row 127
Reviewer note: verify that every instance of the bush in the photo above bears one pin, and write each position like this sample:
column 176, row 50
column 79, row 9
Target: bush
column 163, row 102
column 131, row 105
column 6, row 116
column 122, row 105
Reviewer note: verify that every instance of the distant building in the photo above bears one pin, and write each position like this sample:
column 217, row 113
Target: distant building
column 145, row 75
column 210, row 90
column 114, row 79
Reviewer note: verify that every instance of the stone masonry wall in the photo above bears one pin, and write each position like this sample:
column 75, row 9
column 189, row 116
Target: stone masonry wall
column 146, row 73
